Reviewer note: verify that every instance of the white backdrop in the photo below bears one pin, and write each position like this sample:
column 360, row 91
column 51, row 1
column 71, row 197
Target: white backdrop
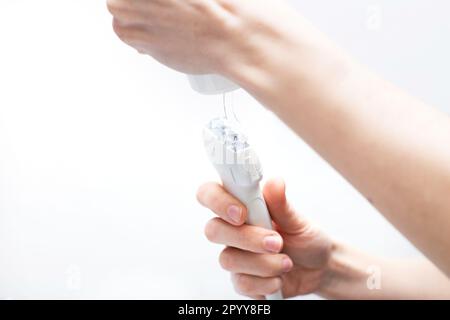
column 101, row 152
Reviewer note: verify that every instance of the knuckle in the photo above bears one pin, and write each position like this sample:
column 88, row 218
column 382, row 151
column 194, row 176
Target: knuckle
column 226, row 259
column 211, row 229
column 231, row 5
column 200, row 5
column 125, row 12
column 123, row 34
column 115, row 6
column 250, row 237
column 201, row 192
column 230, row 26
column 205, row 195
column 118, row 28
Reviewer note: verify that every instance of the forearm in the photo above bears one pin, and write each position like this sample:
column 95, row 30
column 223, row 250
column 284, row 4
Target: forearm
column 354, row 275
column 391, row 147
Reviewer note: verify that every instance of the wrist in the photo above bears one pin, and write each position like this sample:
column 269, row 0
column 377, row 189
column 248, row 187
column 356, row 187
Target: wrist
column 275, row 59
column 345, row 275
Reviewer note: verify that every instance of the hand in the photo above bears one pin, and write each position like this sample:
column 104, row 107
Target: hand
column 190, row 36
column 198, row 36
column 253, row 255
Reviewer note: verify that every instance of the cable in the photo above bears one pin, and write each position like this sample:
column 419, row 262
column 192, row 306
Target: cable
column 228, row 106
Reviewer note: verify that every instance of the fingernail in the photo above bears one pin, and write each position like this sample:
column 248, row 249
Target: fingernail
column 287, row 264
column 235, row 213
column 272, row 243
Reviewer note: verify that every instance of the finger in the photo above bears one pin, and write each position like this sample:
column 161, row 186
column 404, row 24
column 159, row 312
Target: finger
column 261, row 265
column 245, row 237
column 282, row 213
column 257, row 297
column 216, row 198
column 250, row 285
column 133, row 35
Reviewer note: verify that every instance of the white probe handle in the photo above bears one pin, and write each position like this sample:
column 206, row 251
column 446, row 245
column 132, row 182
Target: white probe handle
column 258, row 214
column 240, row 170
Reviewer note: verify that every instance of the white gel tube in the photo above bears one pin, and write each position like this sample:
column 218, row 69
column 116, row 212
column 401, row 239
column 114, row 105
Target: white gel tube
column 211, row 84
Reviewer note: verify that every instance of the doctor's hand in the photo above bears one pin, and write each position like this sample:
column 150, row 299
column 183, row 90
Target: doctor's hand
column 294, row 258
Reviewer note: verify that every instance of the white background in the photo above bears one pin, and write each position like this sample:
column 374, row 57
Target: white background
column 101, row 152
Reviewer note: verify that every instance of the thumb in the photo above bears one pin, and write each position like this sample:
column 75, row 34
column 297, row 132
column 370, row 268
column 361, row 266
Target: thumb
column 282, row 213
